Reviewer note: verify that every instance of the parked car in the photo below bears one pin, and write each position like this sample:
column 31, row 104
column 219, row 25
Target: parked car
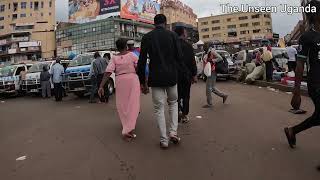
column 77, row 78
column 231, row 66
column 10, row 78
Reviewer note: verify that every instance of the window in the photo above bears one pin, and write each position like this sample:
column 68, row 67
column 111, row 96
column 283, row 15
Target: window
column 256, row 31
column 205, row 36
column 216, row 35
column 267, row 16
column 9, row 6
column 21, row 28
column 42, row 4
column 229, row 19
column 231, row 26
column 31, row 5
column 15, row 6
column 204, row 23
column 31, row 14
column 216, row 28
column 243, row 17
column 205, row 30
column 50, row 14
column 36, row 5
column 268, row 23
column 232, row 34
column 14, row 16
column 215, row 21
column 255, row 16
column 41, row 14
column 256, row 24
column 244, row 25
column 1, row 27
column 23, row 5
column 23, row 15
column 50, row 3
column 2, row 8
column 1, row 18
column 243, row 32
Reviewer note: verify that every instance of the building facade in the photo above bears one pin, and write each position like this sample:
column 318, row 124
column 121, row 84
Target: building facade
column 26, row 30
column 235, row 28
column 97, row 35
column 177, row 12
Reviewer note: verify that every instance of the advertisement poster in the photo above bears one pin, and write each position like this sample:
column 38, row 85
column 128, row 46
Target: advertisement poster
column 109, row 6
column 139, row 10
column 80, row 10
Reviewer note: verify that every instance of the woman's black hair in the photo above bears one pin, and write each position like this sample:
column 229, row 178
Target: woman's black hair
column 312, row 17
column 44, row 68
column 96, row 55
column 121, row 44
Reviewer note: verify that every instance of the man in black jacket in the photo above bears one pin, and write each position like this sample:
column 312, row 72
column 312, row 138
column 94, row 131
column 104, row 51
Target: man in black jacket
column 187, row 77
column 165, row 55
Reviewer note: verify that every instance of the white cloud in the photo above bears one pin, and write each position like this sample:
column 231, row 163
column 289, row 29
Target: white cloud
column 282, row 23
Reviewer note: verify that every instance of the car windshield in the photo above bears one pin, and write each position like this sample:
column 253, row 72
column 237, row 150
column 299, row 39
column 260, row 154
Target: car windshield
column 7, row 71
column 38, row 67
column 224, row 54
column 81, row 61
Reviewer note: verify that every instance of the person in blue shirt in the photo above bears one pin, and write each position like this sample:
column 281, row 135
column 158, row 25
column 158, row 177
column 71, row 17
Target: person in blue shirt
column 57, row 71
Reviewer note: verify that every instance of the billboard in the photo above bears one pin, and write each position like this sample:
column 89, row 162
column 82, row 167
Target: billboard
column 139, row 10
column 81, row 11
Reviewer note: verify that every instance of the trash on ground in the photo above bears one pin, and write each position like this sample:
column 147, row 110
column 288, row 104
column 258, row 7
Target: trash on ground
column 78, row 107
column 2, row 101
column 199, row 117
column 22, row 158
column 273, row 149
column 290, row 93
column 260, row 87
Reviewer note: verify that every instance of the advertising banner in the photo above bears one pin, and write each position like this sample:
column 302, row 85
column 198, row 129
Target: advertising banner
column 81, row 11
column 109, row 6
column 139, row 10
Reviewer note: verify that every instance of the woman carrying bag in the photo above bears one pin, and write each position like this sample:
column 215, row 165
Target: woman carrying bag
column 210, row 71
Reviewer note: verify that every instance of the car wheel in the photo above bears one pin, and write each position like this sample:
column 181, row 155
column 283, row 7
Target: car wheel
column 110, row 87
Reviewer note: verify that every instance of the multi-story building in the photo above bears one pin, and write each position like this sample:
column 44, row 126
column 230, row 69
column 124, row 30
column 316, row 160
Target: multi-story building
column 177, row 12
column 298, row 30
column 26, row 30
column 97, row 35
column 236, row 28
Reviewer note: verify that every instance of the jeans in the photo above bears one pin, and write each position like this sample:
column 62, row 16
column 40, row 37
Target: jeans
column 58, row 91
column 314, row 120
column 95, row 84
column 211, row 88
column 46, row 89
column 161, row 95
column 184, row 88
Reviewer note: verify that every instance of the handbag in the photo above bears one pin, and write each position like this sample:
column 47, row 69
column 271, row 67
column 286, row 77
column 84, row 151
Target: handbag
column 207, row 69
column 222, row 66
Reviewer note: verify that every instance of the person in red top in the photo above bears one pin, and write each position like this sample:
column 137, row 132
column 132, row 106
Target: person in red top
column 213, row 57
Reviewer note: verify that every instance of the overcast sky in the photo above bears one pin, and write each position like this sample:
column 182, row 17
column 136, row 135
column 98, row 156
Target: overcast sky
column 282, row 23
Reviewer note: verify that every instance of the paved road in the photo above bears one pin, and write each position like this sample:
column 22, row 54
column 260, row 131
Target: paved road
column 74, row 140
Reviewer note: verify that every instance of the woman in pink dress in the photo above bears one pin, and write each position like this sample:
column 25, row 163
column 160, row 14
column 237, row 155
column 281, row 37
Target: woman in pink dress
column 128, row 87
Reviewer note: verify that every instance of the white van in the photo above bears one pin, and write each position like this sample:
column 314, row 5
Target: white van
column 10, row 78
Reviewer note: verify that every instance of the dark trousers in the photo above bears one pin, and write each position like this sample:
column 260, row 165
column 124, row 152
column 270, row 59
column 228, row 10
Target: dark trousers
column 269, row 70
column 292, row 65
column 95, row 82
column 314, row 120
column 58, row 91
column 184, row 88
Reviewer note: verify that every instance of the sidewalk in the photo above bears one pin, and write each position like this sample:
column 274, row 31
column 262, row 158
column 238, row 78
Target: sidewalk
column 275, row 85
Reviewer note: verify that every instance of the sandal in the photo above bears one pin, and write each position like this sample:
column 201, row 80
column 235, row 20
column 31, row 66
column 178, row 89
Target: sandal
column 128, row 137
column 175, row 139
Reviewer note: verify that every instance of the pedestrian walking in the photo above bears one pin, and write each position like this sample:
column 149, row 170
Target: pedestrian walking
column 213, row 57
column 128, row 87
column 57, row 71
column 292, row 54
column 98, row 67
column 187, row 77
column 45, row 82
column 165, row 55
column 309, row 52
column 267, row 59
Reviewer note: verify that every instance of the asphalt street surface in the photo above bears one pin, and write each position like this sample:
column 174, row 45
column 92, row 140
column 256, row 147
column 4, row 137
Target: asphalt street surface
column 73, row 140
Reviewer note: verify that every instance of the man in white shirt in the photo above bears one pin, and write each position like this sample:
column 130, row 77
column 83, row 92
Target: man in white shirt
column 57, row 71
column 292, row 54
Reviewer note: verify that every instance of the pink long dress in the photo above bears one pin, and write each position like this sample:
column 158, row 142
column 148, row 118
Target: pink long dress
column 127, row 89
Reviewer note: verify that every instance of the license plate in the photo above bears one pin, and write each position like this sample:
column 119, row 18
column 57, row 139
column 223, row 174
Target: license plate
column 79, row 89
column 34, row 90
